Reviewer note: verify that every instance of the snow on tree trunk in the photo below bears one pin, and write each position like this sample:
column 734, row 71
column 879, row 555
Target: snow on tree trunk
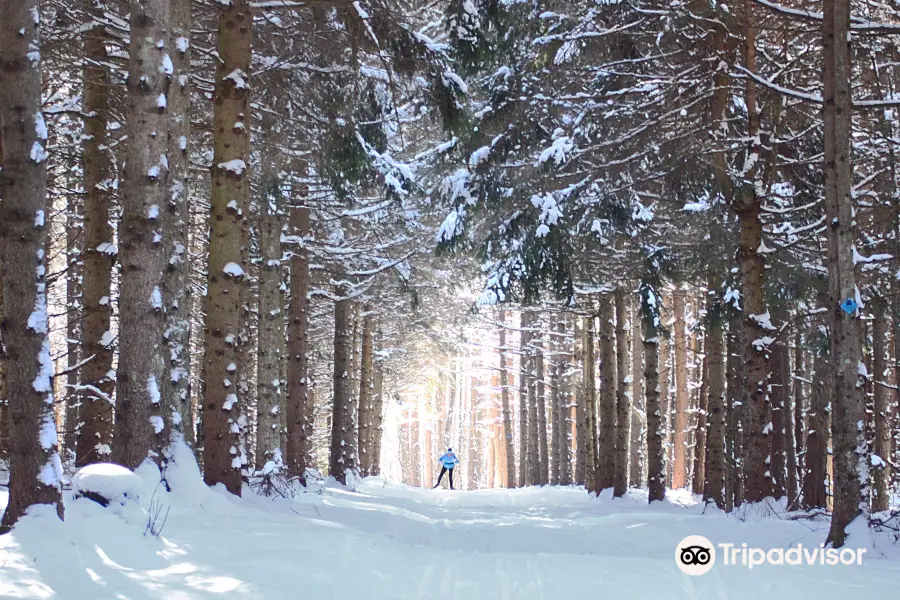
column 532, row 471
column 377, row 406
column 779, row 386
column 757, row 329
column 679, row 428
column 656, row 467
column 883, row 412
column 851, row 469
column 505, row 405
column 299, row 408
column 524, row 342
column 366, row 385
column 581, row 454
column 224, row 369
column 562, row 405
column 74, row 317
column 35, row 467
column 343, row 459
column 95, row 431
column 139, row 422
column 698, row 473
column 606, row 450
column 541, row 459
column 270, row 406
column 176, row 391
column 555, row 399
column 714, row 481
column 623, row 397
column 818, row 427
column 638, row 413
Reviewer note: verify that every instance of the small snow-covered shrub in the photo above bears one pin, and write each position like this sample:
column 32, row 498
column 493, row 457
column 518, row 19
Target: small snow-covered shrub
column 887, row 522
column 106, row 483
column 273, row 479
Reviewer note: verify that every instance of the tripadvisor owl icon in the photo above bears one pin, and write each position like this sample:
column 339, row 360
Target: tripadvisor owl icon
column 695, row 555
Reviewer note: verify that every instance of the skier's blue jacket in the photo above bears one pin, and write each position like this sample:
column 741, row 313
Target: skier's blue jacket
column 449, row 460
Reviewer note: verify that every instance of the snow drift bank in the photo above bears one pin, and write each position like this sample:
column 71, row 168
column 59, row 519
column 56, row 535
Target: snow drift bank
column 392, row 541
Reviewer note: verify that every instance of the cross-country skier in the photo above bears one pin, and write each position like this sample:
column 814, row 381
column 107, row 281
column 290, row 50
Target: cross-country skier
column 448, row 461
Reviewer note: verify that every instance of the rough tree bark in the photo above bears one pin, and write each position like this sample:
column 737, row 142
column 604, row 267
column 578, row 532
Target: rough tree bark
column 224, row 454
column 818, row 426
column 679, row 428
column 623, row 397
column 524, row 343
column 35, row 467
column 606, row 449
column 714, row 488
column 581, row 454
column 542, row 465
column 377, row 406
column 638, row 412
column 343, row 425
column 140, row 426
column 504, row 406
column 589, row 384
column 553, row 459
column 883, row 411
column 94, row 437
column 747, row 204
column 299, row 408
column 698, row 475
column 176, row 392
column 270, row 403
column 564, row 407
column 656, row 467
column 366, row 386
column 848, row 410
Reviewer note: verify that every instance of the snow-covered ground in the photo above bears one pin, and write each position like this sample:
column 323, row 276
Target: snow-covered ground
column 391, row 541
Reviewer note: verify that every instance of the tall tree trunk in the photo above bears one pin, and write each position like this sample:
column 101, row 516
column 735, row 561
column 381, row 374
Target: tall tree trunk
column 377, row 407
column 270, row 403
column 638, row 412
column 4, row 398
column 343, row 424
column 35, row 467
column 223, row 451
column 542, row 477
column 679, row 428
column 623, row 397
column 799, row 410
column 553, row 459
column 176, row 392
column 140, row 425
column 734, row 412
column 590, row 404
column 848, row 439
column 758, row 484
column 299, row 414
column 74, row 317
column 714, row 488
column 818, row 418
column 656, row 467
column 524, row 343
column 665, row 373
column 606, row 453
column 581, row 452
column 366, row 386
column 780, row 389
column 564, row 406
column 95, row 431
column 883, row 411
column 698, row 476
column 504, row 406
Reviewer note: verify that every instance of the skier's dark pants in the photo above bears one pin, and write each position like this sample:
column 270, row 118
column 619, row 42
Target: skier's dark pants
column 441, row 476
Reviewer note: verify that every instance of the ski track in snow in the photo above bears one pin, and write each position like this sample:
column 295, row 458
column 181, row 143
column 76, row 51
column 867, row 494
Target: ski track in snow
column 390, row 541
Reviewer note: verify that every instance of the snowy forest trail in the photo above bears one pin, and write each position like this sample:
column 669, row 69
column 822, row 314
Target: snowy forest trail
column 387, row 540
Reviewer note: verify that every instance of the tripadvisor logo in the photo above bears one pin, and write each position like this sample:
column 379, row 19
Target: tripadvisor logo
column 696, row 555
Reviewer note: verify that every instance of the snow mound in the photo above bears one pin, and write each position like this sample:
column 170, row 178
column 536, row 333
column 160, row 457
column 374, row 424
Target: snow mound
column 111, row 482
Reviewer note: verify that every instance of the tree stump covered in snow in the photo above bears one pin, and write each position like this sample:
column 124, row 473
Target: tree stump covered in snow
column 106, row 483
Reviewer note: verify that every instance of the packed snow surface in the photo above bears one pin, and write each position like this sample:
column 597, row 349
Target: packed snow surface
column 388, row 540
